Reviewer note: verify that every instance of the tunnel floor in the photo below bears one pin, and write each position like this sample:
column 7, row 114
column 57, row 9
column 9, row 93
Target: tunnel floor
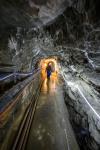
column 51, row 129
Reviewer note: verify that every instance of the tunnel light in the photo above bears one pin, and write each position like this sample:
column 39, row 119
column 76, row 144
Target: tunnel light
column 70, row 83
column 44, row 63
column 76, row 86
column 88, row 102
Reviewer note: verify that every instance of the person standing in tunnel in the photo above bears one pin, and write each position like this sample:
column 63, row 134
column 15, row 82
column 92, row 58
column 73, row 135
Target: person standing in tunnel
column 49, row 71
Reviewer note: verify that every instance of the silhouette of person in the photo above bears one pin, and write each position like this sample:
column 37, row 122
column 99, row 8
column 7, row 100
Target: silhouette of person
column 49, row 71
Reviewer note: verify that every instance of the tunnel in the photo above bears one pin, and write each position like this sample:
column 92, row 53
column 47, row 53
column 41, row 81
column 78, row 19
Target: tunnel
column 44, row 63
column 49, row 75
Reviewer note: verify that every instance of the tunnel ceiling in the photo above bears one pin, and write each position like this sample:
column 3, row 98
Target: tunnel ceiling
column 30, row 29
column 29, row 13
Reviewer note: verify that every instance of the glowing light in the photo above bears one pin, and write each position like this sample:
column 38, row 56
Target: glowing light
column 88, row 102
column 44, row 63
column 71, row 84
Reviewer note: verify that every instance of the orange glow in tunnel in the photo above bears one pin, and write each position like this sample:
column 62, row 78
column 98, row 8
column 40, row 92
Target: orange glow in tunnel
column 53, row 62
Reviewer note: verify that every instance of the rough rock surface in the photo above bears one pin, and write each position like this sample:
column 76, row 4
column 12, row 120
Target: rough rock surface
column 34, row 29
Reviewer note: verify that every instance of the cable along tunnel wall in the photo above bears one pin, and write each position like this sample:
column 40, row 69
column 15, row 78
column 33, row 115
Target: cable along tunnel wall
column 84, row 112
column 12, row 114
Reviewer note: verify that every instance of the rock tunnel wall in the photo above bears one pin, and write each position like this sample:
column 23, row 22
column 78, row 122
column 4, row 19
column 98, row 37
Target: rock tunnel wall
column 34, row 32
column 77, row 27
column 83, row 105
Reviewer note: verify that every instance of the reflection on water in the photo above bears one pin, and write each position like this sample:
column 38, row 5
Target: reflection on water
column 49, row 85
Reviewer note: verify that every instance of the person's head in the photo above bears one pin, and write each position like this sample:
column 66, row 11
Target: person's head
column 49, row 64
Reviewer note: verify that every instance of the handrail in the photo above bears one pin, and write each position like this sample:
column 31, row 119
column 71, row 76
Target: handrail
column 8, row 76
column 8, row 109
column 21, row 138
column 21, row 90
column 18, row 74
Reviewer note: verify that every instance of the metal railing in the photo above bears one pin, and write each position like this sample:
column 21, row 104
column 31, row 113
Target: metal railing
column 18, row 74
column 16, row 108
column 23, row 132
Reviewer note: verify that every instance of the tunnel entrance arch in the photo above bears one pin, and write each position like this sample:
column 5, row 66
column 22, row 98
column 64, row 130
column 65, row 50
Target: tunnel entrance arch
column 54, row 65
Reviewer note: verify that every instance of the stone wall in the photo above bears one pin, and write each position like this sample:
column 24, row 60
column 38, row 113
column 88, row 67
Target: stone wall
column 84, row 113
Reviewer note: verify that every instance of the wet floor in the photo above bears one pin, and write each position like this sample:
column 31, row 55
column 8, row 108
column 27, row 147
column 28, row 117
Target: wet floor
column 51, row 129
